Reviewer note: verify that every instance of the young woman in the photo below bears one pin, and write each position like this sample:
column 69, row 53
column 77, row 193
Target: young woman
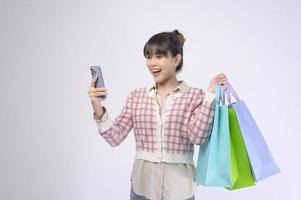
column 168, row 118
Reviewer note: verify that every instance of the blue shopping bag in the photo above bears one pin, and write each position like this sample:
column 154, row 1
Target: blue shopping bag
column 261, row 160
column 213, row 165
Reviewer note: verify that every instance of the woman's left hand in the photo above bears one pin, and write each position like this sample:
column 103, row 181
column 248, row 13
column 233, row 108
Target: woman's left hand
column 218, row 79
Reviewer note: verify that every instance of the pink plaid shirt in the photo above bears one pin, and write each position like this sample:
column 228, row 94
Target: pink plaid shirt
column 186, row 121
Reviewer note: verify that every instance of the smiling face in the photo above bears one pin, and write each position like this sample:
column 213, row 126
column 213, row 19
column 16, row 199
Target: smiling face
column 162, row 67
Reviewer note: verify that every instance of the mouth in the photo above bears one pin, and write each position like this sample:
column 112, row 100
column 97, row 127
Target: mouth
column 156, row 72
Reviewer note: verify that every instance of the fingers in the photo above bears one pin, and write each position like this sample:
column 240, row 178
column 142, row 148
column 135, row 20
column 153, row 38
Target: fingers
column 97, row 92
column 102, row 89
column 221, row 76
column 222, row 80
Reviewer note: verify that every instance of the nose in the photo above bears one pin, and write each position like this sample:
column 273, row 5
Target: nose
column 152, row 61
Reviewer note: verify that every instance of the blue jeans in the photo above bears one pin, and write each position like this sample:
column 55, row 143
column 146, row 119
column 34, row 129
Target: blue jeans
column 135, row 196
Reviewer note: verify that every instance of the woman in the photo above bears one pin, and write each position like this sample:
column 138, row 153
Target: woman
column 168, row 117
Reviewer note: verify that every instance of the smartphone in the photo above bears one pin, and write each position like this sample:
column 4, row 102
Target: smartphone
column 96, row 70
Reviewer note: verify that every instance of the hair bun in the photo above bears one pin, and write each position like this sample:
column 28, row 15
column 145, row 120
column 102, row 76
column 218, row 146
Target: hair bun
column 180, row 36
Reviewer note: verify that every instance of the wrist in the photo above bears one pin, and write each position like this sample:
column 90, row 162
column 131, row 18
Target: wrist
column 210, row 89
column 99, row 114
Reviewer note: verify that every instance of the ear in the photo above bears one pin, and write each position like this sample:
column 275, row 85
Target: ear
column 178, row 59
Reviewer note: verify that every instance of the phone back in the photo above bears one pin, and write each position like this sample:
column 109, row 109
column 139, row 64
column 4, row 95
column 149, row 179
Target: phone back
column 96, row 70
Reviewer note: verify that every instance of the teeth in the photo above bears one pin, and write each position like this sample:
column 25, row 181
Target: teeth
column 156, row 70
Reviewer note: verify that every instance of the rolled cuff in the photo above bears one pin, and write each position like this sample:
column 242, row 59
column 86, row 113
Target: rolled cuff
column 209, row 96
column 104, row 123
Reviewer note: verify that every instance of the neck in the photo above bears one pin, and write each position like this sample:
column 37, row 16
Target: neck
column 168, row 84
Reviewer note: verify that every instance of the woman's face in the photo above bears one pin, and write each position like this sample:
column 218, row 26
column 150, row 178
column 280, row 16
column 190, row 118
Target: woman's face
column 162, row 68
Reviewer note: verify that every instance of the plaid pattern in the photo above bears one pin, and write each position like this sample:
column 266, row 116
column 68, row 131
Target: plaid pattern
column 188, row 122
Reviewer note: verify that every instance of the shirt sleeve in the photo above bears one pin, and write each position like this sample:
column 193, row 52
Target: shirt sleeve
column 115, row 131
column 201, row 119
column 209, row 96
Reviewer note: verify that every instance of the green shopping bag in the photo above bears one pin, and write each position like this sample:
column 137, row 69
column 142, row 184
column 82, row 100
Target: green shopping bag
column 241, row 174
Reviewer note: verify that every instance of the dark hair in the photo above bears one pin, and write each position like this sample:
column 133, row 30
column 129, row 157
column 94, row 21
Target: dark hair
column 163, row 42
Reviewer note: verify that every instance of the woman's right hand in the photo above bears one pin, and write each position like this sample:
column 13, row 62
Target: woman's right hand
column 218, row 79
column 95, row 96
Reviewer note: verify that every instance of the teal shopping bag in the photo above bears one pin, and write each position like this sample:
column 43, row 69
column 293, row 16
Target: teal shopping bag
column 213, row 165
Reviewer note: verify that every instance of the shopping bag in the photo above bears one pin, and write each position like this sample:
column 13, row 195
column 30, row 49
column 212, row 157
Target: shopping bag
column 260, row 157
column 213, row 165
column 241, row 173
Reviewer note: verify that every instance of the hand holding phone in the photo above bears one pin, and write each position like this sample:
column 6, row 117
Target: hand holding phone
column 96, row 70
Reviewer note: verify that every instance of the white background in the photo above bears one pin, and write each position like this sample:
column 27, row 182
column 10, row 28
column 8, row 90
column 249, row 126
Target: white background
column 49, row 145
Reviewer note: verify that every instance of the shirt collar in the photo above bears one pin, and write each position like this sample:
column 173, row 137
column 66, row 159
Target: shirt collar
column 181, row 88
